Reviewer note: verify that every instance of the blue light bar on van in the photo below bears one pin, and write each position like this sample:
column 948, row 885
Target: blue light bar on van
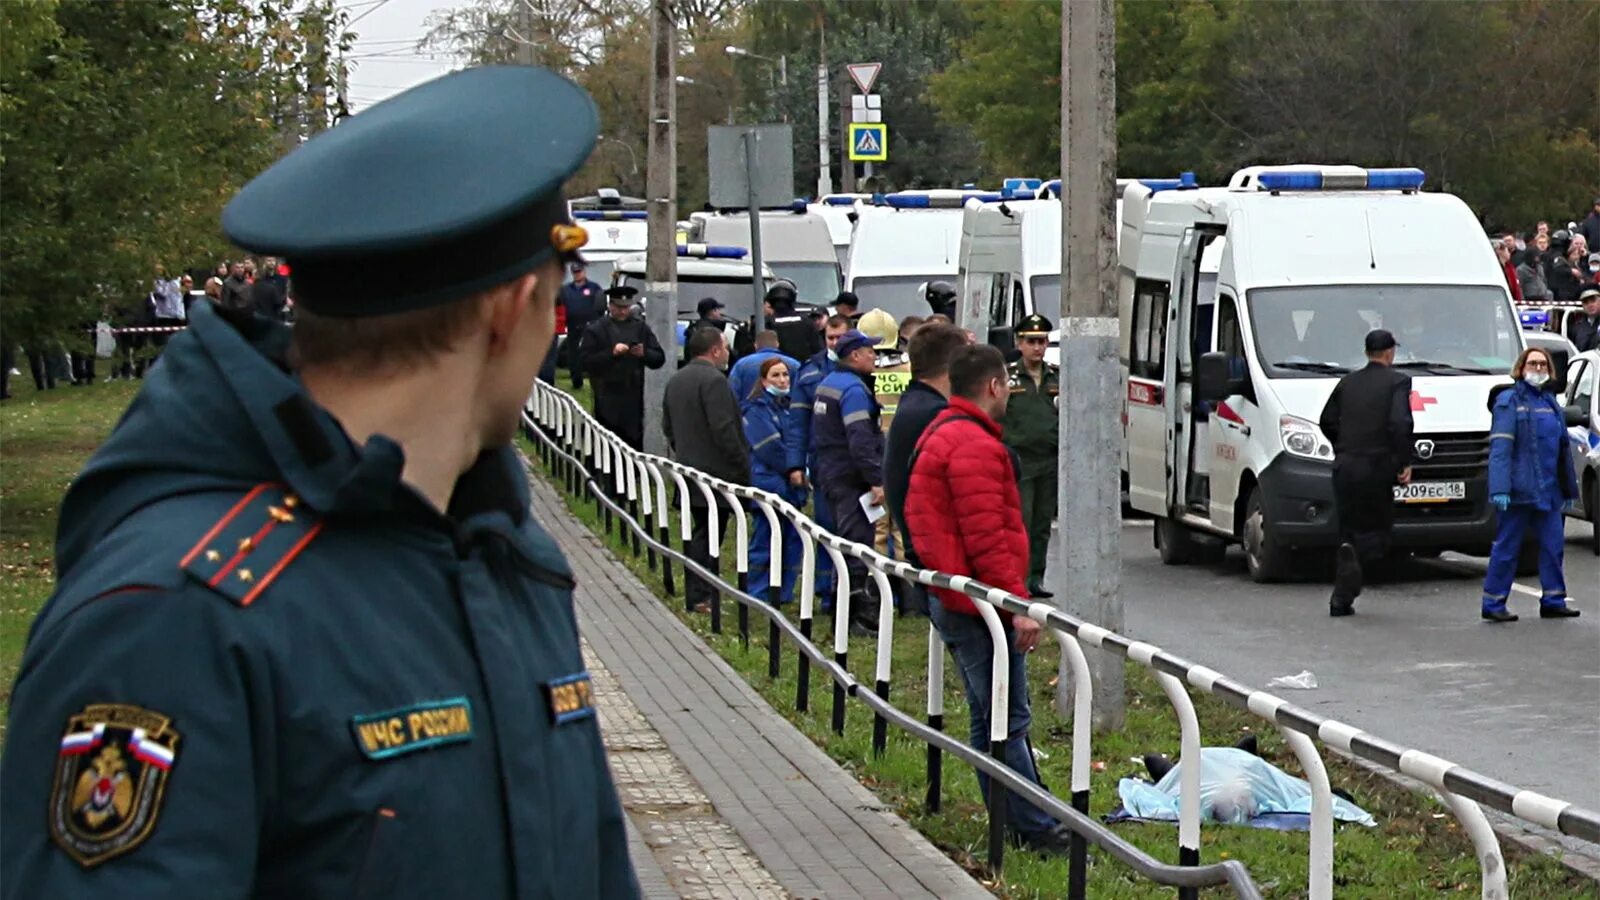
column 1021, row 184
column 1533, row 319
column 925, row 201
column 799, row 205
column 1184, row 182
column 839, row 201
column 1317, row 180
column 1017, row 194
column 611, row 214
column 712, row 251
column 1051, row 188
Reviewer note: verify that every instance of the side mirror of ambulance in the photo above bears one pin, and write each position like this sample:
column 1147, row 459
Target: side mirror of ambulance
column 1215, row 379
column 1559, row 361
column 1576, row 417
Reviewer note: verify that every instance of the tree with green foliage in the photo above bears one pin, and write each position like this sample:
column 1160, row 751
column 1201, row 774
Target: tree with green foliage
column 127, row 126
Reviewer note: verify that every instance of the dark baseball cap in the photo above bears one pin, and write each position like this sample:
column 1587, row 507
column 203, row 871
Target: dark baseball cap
column 709, row 304
column 1379, row 340
column 851, row 341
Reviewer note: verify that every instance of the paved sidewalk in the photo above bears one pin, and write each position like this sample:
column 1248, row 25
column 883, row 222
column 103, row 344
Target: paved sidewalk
column 725, row 798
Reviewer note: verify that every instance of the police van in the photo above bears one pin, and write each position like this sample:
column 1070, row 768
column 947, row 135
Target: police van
column 723, row 273
column 1240, row 309
column 795, row 244
column 616, row 225
column 902, row 241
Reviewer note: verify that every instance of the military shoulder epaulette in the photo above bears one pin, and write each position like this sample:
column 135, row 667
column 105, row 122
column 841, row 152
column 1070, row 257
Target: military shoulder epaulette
column 247, row 549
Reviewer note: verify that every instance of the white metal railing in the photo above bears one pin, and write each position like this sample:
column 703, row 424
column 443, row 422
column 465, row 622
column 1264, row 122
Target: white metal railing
column 577, row 447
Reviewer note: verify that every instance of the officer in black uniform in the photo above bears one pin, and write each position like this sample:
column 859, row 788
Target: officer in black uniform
column 615, row 351
column 941, row 298
column 798, row 336
column 1368, row 419
column 319, row 646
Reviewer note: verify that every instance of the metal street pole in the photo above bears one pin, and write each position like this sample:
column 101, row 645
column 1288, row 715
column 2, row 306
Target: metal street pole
column 661, row 254
column 1087, row 578
column 824, row 172
column 758, row 285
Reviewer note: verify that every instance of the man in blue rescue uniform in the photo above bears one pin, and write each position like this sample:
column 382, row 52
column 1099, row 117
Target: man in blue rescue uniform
column 307, row 639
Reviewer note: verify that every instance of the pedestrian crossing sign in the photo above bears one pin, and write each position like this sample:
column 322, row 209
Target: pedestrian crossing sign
column 869, row 142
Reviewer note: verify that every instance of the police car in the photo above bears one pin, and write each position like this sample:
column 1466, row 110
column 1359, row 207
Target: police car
column 1583, row 420
column 720, row 272
column 617, row 226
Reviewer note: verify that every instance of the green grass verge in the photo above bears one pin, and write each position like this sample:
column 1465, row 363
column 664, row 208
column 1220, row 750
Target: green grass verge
column 1417, row 849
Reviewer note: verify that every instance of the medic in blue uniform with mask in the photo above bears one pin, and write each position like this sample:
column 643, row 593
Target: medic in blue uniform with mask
column 1530, row 482
column 774, row 438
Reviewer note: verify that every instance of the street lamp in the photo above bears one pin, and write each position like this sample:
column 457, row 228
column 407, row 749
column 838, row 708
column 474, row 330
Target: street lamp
column 782, row 61
column 683, row 79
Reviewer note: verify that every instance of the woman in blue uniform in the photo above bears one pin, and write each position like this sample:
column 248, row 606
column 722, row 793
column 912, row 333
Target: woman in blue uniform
column 1530, row 482
column 774, row 445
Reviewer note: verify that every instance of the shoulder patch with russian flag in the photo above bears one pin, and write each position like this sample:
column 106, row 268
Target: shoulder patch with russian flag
column 246, row 550
column 110, row 779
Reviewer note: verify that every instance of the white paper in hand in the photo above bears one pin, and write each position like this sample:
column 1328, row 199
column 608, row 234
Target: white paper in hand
column 872, row 509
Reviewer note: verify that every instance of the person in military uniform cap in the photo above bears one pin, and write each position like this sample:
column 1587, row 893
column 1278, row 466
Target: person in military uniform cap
column 615, row 351
column 1030, row 430
column 307, row 639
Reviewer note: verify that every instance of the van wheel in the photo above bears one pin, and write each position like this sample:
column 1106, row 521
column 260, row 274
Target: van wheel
column 1267, row 560
column 1174, row 543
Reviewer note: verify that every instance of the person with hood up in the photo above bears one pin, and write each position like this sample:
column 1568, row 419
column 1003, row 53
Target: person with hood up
column 1530, row 482
column 320, row 646
column 774, row 451
column 798, row 338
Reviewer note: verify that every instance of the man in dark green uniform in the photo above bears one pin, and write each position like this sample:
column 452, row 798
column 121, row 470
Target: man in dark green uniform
column 1030, row 430
column 307, row 639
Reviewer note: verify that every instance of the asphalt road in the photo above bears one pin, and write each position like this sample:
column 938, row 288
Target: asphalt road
column 1416, row 665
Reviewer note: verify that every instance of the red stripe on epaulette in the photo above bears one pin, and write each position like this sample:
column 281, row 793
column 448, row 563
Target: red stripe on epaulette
column 244, row 550
column 282, row 563
column 217, row 528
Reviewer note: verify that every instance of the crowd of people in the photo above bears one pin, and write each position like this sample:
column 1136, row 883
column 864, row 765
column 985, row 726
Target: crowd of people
column 129, row 335
column 907, row 436
column 1544, row 266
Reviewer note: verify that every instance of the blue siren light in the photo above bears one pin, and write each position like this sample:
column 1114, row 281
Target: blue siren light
column 839, row 201
column 712, row 251
column 610, row 214
column 1315, row 180
column 1533, row 319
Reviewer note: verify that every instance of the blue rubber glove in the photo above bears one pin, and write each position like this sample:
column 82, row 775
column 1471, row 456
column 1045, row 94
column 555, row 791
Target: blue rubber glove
column 1501, row 502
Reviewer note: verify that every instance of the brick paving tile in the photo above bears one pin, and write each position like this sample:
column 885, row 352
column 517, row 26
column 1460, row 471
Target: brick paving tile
column 724, row 796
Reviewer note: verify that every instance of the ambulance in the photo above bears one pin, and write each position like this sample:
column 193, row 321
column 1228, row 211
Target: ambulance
column 1009, row 266
column 1240, row 309
column 901, row 242
column 839, row 211
column 795, row 244
column 616, row 226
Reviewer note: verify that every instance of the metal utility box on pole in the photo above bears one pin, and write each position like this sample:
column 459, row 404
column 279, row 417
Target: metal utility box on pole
column 661, row 253
column 1087, row 576
column 751, row 168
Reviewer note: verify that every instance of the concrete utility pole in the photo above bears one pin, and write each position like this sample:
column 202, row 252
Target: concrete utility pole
column 525, row 26
column 824, row 171
column 661, row 256
column 1087, row 578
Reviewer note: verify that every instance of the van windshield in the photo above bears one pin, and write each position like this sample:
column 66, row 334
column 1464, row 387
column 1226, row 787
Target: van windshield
column 816, row 282
column 1315, row 332
column 894, row 294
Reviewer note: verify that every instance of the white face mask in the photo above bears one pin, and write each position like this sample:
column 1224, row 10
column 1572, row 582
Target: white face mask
column 1536, row 379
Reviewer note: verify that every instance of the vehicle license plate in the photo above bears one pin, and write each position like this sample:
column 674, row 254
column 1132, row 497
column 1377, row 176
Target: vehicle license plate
column 1430, row 492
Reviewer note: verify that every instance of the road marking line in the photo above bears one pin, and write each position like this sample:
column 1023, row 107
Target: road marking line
column 1460, row 564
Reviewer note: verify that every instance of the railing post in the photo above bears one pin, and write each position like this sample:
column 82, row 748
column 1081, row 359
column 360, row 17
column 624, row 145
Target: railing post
column 647, row 506
column 685, row 528
column 1490, row 861
column 714, row 545
column 663, row 528
column 880, row 725
column 631, row 476
column 741, row 562
column 774, row 580
column 1189, row 778
column 1082, row 735
column 935, row 713
column 841, row 629
column 808, row 602
column 1320, row 883
column 999, row 729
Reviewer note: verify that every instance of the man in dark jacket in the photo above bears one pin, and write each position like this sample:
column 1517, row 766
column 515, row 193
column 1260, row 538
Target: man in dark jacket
column 1368, row 419
column 584, row 302
column 270, row 293
column 615, row 352
column 965, row 518
column 703, row 426
column 848, row 440
column 1590, row 227
column 236, row 290
column 798, row 337
column 1584, row 327
column 931, row 349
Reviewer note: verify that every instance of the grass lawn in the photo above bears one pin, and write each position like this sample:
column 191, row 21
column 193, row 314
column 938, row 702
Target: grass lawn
column 1417, row 850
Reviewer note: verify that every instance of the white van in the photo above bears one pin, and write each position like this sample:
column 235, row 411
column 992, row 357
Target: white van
column 838, row 210
column 616, row 226
column 900, row 242
column 1009, row 266
column 795, row 244
column 720, row 272
column 1227, row 375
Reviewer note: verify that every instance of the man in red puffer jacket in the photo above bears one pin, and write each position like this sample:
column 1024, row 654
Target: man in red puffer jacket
column 963, row 516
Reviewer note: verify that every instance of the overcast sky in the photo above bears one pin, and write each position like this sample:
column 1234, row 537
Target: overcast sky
column 385, row 60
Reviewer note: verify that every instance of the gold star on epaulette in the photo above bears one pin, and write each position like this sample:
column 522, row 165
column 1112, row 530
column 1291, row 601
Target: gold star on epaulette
column 280, row 514
column 246, row 545
column 213, row 556
column 246, row 575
